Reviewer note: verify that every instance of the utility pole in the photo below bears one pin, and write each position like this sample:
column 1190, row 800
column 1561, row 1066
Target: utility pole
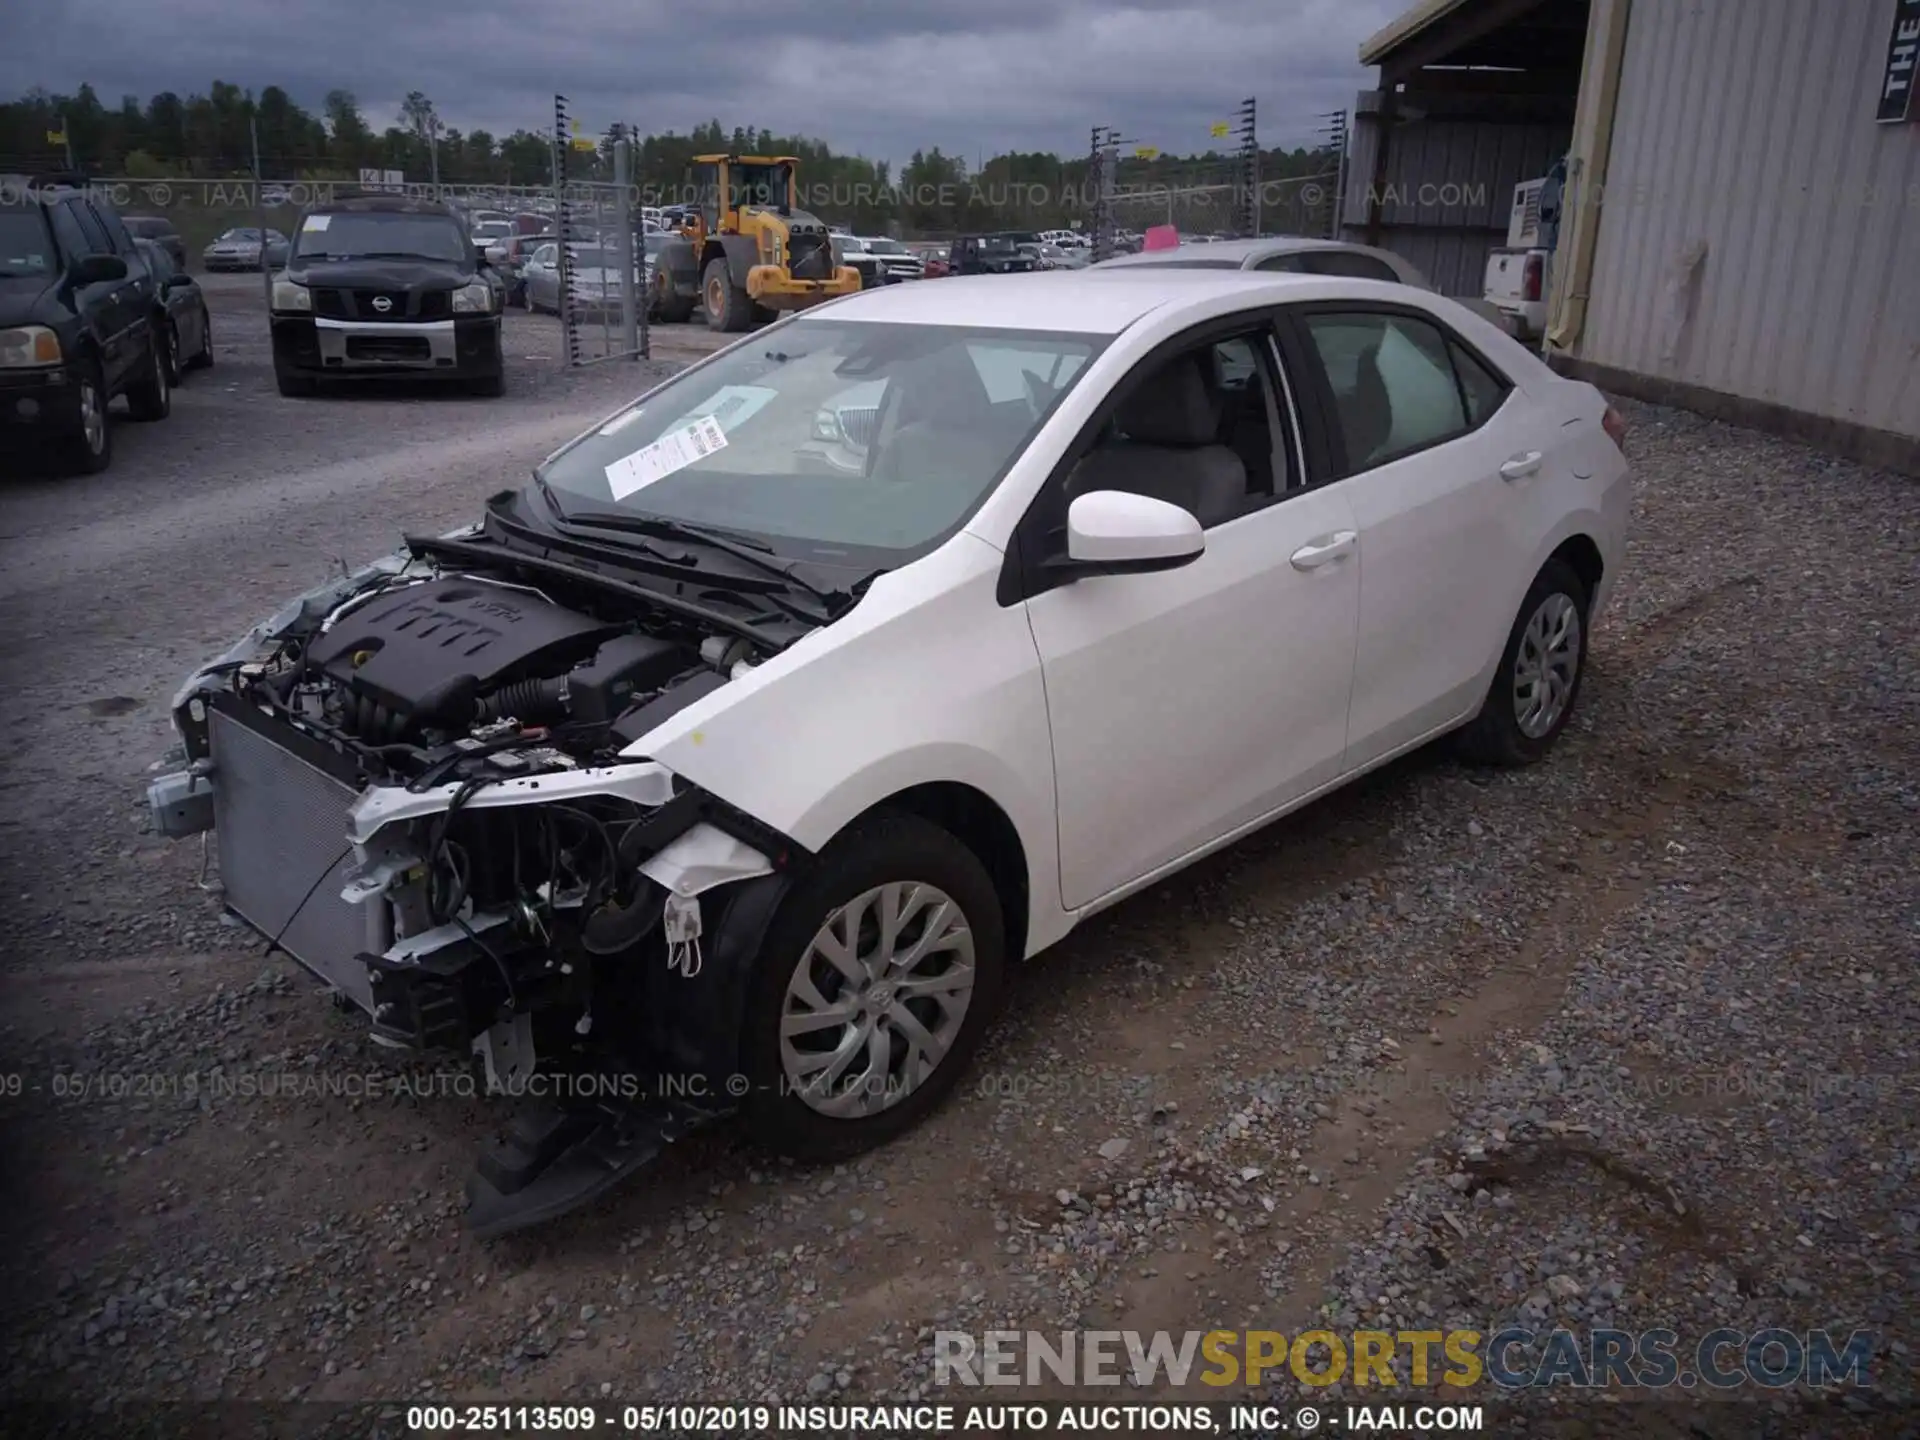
column 622, row 184
column 433, row 149
column 260, row 207
column 1336, row 132
column 1250, row 169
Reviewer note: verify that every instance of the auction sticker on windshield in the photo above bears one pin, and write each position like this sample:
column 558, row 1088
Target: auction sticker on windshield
column 315, row 222
column 673, row 451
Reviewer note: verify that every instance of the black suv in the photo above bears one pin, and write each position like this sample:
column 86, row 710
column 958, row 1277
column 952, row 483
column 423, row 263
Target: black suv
column 76, row 319
column 384, row 285
column 988, row 255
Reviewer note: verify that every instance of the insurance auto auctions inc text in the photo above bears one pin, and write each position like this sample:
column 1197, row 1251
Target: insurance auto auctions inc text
column 1511, row 1359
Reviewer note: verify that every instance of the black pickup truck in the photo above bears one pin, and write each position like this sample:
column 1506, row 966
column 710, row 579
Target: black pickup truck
column 988, row 255
column 77, row 307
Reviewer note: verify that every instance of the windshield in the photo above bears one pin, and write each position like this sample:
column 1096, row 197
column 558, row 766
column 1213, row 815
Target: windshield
column 657, row 243
column 239, row 235
column 828, row 438
column 345, row 234
column 887, row 247
column 492, row 229
column 25, row 248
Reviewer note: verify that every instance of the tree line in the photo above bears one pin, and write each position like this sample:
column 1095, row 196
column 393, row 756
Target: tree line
column 212, row 136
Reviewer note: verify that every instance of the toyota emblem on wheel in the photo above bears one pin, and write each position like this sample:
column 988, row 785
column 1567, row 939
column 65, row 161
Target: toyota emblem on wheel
column 382, row 304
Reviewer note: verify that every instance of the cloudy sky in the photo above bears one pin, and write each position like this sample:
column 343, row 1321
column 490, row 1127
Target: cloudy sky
column 880, row 77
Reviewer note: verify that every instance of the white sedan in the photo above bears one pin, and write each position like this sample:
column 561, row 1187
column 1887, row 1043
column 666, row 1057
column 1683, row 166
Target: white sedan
column 750, row 744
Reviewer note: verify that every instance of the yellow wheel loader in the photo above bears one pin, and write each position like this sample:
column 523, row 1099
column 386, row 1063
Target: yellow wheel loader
column 749, row 251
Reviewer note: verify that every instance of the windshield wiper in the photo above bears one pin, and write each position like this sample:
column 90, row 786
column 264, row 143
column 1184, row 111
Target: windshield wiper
column 751, row 552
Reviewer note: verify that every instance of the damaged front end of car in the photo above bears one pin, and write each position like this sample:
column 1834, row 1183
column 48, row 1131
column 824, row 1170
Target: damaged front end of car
column 421, row 786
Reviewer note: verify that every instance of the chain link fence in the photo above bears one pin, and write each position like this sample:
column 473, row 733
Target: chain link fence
column 605, row 282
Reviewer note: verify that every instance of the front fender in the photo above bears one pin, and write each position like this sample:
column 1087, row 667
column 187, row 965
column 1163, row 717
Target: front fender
column 927, row 680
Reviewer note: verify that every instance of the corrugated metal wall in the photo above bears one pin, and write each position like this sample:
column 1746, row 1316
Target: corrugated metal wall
column 1759, row 232
column 1449, row 187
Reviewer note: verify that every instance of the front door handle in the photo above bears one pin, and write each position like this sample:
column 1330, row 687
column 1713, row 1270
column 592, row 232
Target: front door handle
column 1324, row 551
column 1521, row 466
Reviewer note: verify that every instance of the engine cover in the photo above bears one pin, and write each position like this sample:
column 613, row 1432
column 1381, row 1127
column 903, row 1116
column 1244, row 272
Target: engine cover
column 427, row 652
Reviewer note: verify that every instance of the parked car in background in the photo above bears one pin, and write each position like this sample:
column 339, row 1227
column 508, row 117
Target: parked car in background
column 895, row 259
column 851, row 250
column 595, row 281
column 988, row 255
column 161, row 231
column 1300, row 255
column 1083, row 486
column 77, row 306
column 509, row 259
column 383, row 285
column 492, row 231
column 180, row 314
column 243, row 249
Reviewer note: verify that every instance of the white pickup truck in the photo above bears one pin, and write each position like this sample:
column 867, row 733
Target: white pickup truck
column 1519, row 274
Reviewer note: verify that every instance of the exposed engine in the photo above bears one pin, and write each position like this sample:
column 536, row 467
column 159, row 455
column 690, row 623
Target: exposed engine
column 414, row 667
column 418, row 785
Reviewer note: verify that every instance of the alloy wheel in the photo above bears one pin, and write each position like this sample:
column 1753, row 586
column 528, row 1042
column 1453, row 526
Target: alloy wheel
column 93, row 418
column 1546, row 665
column 877, row 999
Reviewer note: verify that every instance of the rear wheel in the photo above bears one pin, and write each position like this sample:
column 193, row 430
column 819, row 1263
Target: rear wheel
column 1538, row 680
column 878, row 980
column 729, row 307
column 203, row 359
column 151, row 397
column 170, row 351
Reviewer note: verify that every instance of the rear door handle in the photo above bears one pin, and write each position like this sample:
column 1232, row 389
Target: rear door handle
column 1521, row 466
column 1324, row 551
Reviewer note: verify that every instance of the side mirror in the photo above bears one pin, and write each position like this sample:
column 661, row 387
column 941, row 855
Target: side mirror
column 1114, row 532
column 179, row 282
column 98, row 269
column 479, row 254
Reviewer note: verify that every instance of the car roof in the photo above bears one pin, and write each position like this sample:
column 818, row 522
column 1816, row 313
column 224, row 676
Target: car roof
column 1242, row 251
column 384, row 204
column 1093, row 301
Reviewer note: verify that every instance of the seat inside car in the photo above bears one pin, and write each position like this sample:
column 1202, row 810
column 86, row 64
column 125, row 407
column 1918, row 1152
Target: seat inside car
column 1165, row 443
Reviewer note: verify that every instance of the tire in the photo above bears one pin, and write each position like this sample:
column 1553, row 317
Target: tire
column 670, row 305
column 1513, row 728
column 151, row 396
column 890, row 849
column 89, row 450
column 729, row 307
column 291, row 384
column 204, row 359
column 170, row 352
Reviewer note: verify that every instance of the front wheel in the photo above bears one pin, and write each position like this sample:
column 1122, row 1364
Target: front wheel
column 89, row 449
column 1538, row 679
column 879, row 978
column 729, row 307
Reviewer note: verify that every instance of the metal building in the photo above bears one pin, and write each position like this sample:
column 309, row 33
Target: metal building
column 1742, row 211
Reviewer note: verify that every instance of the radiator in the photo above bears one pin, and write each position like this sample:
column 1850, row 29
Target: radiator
column 281, row 827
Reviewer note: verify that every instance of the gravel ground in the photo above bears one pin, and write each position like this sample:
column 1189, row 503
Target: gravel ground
column 1620, row 1040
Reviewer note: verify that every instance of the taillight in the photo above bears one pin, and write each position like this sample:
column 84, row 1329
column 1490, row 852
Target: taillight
column 1615, row 424
column 1535, row 273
